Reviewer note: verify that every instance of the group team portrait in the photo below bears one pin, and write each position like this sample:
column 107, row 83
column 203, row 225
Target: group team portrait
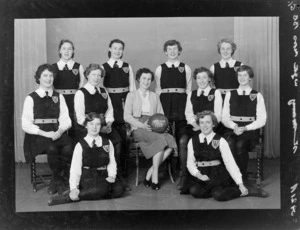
column 147, row 113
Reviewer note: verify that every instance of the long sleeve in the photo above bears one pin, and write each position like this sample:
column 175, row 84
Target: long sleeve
column 64, row 118
column 261, row 114
column 157, row 80
column 218, row 104
column 188, row 76
column 27, row 117
column 76, row 167
column 132, row 85
column 191, row 161
column 79, row 107
column 229, row 162
column 109, row 115
column 128, row 110
column 82, row 78
column 226, row 113
column 189, row 112
column 212, row 69
column 112, row 165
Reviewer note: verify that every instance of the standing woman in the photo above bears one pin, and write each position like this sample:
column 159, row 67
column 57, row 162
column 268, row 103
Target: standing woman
column 45, row 120
column 118, row 81
column 244, row 113
column 69, row 77
column 211, row 164
column 224, row 70
column 203, row 98
column 139, row 106
column 93, row 169
column 173, row 83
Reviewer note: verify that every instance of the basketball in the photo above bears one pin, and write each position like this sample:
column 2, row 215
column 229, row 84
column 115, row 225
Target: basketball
column 158, row 123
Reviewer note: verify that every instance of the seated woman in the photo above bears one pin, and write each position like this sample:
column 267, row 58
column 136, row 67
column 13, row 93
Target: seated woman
column 93, row 169
column 211, row 164
column 45, row 120
column 244, row 113
column 139, row 106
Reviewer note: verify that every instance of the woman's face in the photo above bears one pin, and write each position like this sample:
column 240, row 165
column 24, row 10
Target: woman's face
column 226, row 50
column 202, row 80
column 94, row 77
column 116, row 51
column 66, row 51
column 93, row 127
column 145, row 80
column 243, row 78
column 172, row 52
column 206, row 125
column 46, row 79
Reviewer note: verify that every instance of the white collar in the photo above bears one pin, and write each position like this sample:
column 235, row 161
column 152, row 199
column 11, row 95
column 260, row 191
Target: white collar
column 169, row 64
column 231, row 63
column 208, row 138
column 91, row 88
column 205, row 91
column 141, row 93
column 61, row 64
column 89, row 139
column 247, row 90
column 111, row 62
column 42, row 93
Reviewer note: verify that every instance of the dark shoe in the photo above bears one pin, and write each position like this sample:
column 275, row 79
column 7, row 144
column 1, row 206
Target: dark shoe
column 61, row 199
column 147, row 183
column 155, row 186
column 61, row 187
column 181, row 182
column 52, row 187
column 257, row 192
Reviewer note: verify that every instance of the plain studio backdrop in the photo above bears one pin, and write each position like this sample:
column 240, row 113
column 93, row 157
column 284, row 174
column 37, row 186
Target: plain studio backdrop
column 257, row 39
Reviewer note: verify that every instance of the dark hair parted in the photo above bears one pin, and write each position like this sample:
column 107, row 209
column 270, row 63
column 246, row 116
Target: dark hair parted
column 172, row 43
column 92, row 67
column 41, row 69
column 200, row 70
column 207, row 113
column 63, row 41
column 91, row 116
column 226, row 40
column 246, row 68
column 143, row 70
column 115, row 41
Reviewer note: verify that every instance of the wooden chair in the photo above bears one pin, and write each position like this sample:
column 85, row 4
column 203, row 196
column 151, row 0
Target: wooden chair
column 259, row 151
column 38, row 179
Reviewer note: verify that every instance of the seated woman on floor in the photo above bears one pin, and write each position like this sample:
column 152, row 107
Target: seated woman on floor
column 93, row 169
column 211, row 164
column 139, row 106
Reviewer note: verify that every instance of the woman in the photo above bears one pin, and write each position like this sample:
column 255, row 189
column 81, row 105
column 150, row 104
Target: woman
column 203, row 98
column 211, row 164
column 69, row 78
column 45, row 120
column 244, row 113
column 93, row 169
column 139, row 106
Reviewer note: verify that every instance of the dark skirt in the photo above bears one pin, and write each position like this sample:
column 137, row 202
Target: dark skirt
column 174, row 105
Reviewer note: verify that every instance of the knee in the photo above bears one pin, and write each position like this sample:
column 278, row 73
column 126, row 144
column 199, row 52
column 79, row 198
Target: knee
column 52, row 150
column 117, row 190
column 218, row 195
column 241, row 146
column 196, row 191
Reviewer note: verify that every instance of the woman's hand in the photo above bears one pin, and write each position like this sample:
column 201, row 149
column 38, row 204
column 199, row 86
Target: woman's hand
column 110, row 179
column 145, row 126
column 50, row 134
column 106, row 129
column 202, row 177
column 74, row 194
column 243, row 190
column 238, row 130
column 195, row 126
column 57, row 134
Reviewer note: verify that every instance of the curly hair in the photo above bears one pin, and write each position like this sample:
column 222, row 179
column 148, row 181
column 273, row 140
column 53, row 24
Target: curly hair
column 207, row 113
column 172, row 43
column 226, row 40
column 143, row 70
column 63, row 41
column 91, row 116
column 41, row 69
column 115, row 41
column 246, row 68
column 92, row 67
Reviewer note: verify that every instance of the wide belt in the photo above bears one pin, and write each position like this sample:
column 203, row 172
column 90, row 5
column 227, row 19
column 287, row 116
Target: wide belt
column 99, row 168
column 66, row 91
column 224, row 91
column 45, row 121
column 173, row 90
column 242, row 119
column 207, row 163
column 117, row 90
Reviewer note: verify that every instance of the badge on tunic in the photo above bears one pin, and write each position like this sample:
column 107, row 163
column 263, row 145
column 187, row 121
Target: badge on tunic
column 106, row 148
column 75, row 71
column 253, row 96
column 215, row 143
column 181, row 69
column 210, row 97
column 104, row 95
column 235, row 68
column 126, row 69
column 55, row 99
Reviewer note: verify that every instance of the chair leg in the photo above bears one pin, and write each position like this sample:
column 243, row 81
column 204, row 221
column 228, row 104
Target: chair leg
column 258, row 180
column 137, row 165
column 170, row 170
column 33, row 174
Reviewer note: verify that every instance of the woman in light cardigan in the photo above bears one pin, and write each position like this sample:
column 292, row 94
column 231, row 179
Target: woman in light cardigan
column 140, row 105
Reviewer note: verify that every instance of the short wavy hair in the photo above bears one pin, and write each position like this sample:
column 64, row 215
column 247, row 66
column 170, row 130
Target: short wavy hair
column 41, row 69
column 115, row 41
column 207, row 113
column 92, row 67
column 172, row 43
column 226, row 40
column 91, row 116
column 63, row 41
column 246, row 68
column 141, row 71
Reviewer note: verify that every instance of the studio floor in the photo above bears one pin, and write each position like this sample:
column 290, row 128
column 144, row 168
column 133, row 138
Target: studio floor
column 142, row 198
